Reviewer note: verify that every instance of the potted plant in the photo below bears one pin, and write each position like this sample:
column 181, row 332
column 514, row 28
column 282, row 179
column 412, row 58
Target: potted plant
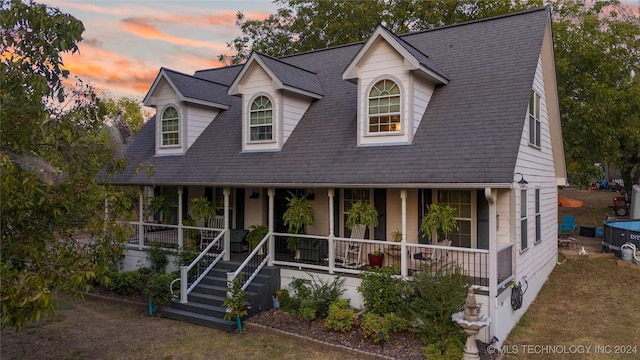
column 157, row 205
column 396, row 236
column 439, row 218
column 364, row 213
column 202, row 208
column 375, row 258
column 256, row 234
column 300, row 214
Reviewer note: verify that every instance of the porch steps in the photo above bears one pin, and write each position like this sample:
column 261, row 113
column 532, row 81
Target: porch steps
column 204, row 306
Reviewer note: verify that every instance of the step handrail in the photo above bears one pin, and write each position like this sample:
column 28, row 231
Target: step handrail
column 232, row 275
column 184, row 270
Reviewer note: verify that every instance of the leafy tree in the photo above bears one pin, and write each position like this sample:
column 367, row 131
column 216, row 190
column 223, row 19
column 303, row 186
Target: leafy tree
column 129, row 108
column 53, row 146
column 597, row 50
column 304, row 25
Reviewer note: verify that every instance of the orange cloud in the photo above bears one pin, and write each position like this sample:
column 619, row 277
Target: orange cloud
column 109, row 71
column 144, row 30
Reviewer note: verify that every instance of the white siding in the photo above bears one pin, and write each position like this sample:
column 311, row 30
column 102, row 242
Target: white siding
column 384, row 62
column 292, row 110
column 537, row 261
column 257, row 83
column 255, row 209
column 197, row 119
column 423, row 91
column 165, row 95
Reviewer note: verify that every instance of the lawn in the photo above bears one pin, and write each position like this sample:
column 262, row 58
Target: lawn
column 589, row 307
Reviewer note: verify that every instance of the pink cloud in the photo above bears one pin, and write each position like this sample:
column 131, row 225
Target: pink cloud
column 140, row 28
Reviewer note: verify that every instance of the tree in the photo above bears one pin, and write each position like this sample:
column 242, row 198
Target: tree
column 304, row 25
column 129, row 108
column 597, row 50
column 53, row 147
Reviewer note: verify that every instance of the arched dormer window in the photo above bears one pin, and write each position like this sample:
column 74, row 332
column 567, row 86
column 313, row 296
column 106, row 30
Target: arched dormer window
column 170, row 127
column 384, row 107
column 261, row 119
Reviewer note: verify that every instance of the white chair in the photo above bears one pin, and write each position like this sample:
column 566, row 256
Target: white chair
column 207, row 236
column 353, row 249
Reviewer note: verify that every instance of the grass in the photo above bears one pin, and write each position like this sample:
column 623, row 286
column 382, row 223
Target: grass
column 96, row 330
column 585, row 303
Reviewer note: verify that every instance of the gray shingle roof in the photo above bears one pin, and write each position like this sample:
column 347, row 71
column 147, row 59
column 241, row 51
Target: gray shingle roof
column 197, row 88
column 293, row 76
column 470, row 132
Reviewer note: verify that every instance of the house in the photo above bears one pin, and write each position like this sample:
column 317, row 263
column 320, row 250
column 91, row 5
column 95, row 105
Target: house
column 465, row 115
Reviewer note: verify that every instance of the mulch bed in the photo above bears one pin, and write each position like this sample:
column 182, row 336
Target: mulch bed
column 404, row 345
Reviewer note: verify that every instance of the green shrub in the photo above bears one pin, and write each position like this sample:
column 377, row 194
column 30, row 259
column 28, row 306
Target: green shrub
column 127, row 283
column 381, row 291
column 287, row 304
column 317, row 293
column 341, row 317
column 429, row 302
column 453, row 349
column 374, row 327
column 158, row 258
column 307, row 310
column 396, row 323
column 158, row 288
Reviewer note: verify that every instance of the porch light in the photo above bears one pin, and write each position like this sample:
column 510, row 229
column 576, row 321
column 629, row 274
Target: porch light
column 523, row 183
column 255, row 194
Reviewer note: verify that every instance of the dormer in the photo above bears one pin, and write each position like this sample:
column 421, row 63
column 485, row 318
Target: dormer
column 185, row 106
column 275, row 96
column 395, row 84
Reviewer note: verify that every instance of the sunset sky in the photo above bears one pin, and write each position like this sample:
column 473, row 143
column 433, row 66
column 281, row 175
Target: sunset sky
column 126, row 42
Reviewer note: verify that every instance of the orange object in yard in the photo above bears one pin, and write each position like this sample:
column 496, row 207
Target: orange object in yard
column 569, row 202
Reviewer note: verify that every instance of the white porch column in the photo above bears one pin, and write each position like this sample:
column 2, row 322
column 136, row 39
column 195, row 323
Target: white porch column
column 180, row 230
column 140, row 217
column 404, row 271
column 330, row 244
column 491, row 196
column 227, row 238
column 271, row 192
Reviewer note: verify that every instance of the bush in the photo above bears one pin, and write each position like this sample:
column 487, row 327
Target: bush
column 381, row 291
column 158, row 258
column 158, row 288
column 287, row 303
column 453, row 349
column 127, row 283
column 374, row 327
column 341, row 317
column 316, row 294
column 429, row 302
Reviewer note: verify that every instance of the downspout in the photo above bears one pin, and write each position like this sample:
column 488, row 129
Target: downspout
column 140, row 217
column 272, row 246
column 332, row 250
column 404, row 272
column 180, row 230
column 491, row 195
column 227, row 238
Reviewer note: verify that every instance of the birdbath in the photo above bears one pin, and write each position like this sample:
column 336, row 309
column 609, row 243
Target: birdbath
column 471, row 321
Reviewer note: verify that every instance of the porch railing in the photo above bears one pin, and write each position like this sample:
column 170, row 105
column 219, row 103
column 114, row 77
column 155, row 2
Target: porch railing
column 192, row 274
column 252, row 265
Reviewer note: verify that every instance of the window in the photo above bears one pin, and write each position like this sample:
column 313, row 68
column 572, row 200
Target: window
column 170, row 127
column 534, row 119
column 461, row 201
column 523, row 220
column 384, row 107
column 261, row 119
column 538, row 225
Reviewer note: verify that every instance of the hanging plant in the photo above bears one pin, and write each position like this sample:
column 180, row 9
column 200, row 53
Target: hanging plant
column 362, row 213
column 439, row 218
column 300, row 214
column 202, row 208
column 157, row 204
